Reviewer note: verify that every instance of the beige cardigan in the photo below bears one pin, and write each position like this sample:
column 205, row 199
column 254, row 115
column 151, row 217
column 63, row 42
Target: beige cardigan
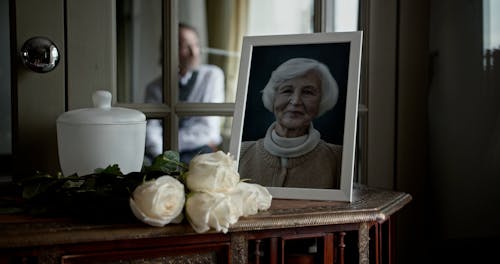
column 319, row 168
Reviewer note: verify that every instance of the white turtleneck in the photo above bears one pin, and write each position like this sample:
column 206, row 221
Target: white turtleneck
column 290, row 147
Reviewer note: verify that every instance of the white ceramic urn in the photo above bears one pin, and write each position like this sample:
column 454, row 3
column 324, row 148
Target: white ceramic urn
column 97, row 137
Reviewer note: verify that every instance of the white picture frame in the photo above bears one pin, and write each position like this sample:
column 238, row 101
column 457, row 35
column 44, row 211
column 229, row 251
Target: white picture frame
column 341, row 53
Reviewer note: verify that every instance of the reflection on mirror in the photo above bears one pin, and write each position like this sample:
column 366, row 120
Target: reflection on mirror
column 198, row 83
column 197, row 134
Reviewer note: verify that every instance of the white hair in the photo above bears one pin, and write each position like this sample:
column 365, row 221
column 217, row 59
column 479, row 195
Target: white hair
column 297, row 67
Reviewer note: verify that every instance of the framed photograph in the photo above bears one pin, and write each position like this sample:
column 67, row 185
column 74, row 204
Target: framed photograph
column 294, row 127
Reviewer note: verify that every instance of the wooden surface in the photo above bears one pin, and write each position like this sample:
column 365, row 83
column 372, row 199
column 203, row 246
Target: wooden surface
column 369, row 205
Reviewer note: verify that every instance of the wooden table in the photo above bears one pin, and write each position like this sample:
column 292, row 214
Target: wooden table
column 335, row 229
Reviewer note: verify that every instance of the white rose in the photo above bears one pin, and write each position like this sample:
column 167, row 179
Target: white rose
column 212, row 172
column 205, row 210
column 159, row 202
column 251, row 198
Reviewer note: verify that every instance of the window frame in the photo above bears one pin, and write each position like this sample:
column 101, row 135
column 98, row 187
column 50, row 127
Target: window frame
column 171, row 109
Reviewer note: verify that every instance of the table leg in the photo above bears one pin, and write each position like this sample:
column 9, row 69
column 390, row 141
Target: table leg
column 341, row 247
column 239, row 248
column 363, row 243
column 328, row 249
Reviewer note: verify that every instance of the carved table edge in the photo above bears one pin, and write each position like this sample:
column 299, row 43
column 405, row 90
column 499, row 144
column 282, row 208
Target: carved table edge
column 379, row 214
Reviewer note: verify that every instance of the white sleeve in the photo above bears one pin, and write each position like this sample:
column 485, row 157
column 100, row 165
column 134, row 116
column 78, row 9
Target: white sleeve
column 204, row 130
column 154, row 139
column 198, row 131
column 154, row 128
column 215, row 86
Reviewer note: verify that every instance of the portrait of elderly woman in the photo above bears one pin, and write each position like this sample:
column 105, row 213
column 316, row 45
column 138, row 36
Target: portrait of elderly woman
column 292, row 153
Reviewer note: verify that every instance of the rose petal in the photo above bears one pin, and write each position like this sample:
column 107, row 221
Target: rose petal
column 251, row 197
column 212, row 172
column 205, row 210
column 158, row 202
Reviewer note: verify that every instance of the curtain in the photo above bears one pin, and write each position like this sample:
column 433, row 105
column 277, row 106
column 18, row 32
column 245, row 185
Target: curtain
column 227, row 23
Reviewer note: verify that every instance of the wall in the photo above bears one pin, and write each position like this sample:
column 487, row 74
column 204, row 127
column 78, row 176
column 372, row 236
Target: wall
column 435, row 122
column 5, row 111
column 464, row 134
column 411, row 129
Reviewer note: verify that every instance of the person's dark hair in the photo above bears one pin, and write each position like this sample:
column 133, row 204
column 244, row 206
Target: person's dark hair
column 187, row 26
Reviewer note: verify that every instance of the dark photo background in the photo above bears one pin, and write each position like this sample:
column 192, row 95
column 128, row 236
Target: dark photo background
column 265, row 59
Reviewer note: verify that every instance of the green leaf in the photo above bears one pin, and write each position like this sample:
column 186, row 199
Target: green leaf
column 90, row 185
column 107, row 190
column 168, row 163
column 38, row 188
column 73, row 184
column 11, row 210
column 172, row 155
column 38, row 177
column 111, row 169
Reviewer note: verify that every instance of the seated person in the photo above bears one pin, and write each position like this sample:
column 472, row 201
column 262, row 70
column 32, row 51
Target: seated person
column 198, row 83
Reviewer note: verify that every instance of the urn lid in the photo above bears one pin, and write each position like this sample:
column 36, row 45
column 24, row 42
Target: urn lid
column 102, row 113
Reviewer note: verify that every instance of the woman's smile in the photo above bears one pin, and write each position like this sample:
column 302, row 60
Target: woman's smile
column 294, row 112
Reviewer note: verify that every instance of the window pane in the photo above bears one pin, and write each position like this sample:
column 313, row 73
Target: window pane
column 345, row 16
column 139, row 47
column 491, row 24
column 280, row 17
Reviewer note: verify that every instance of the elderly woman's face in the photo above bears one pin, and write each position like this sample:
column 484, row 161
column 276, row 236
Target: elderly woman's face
column 296, row 104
